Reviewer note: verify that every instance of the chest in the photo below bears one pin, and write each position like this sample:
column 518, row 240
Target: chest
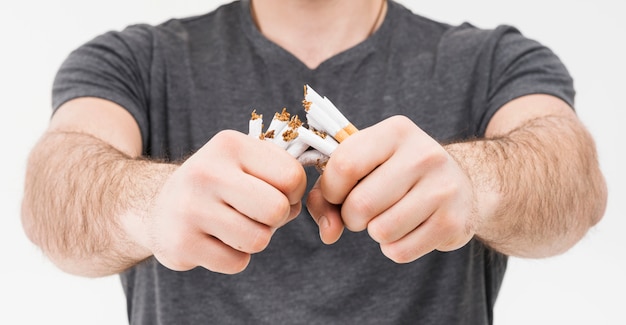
column 219, row 91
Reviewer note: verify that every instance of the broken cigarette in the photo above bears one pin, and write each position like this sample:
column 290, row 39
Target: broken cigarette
column 314, row 140
column 279, row 122
column 255, row 127
column 313, row 158
column 318, row 105
column 289, row 132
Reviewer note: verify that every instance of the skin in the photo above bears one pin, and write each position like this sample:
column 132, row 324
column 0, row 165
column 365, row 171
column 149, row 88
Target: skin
column 444, row 195
column 96, row 207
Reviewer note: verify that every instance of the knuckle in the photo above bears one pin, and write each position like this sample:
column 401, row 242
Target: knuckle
column 351, row 221
column 380, row 232
column 400, row 125
column 401, row 121
column 343, row 166
column 398, row 253
column 293, row 176
column 361, row 202
column 430, row 158
column 234, row 266
column 260, row 240
column 224, row 141
column 225, row 138
column 277, row 212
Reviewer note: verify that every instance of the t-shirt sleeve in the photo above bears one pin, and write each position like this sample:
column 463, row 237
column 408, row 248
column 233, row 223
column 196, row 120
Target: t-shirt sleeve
column 521, row 66
column 113, row 66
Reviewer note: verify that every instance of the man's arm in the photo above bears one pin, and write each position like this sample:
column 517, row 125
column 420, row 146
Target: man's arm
column 96, row 207
column 538, row 182
column 531, row 188
column 82, row 175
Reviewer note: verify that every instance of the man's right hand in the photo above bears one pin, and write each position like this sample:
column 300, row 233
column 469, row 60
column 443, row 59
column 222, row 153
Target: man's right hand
column 224, row 204
column 96, row 208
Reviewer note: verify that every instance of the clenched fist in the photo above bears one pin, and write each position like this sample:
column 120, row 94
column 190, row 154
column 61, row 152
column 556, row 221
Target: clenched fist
column 401, row 185
column 224, row 204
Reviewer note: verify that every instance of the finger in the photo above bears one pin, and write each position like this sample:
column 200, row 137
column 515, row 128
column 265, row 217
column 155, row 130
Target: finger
column 419, row 242
column 355, row 158
column 404, row 216
column 275, row 166
column 373, row 195
column 261, row 159
column 295, row 211
column 325, row 214
column 256, row 199
column 234, row 229
column 218, row 257
column 199, row 249
column 443, row 230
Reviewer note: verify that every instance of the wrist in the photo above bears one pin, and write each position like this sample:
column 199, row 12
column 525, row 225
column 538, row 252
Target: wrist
column 137, row 219
column 485, row 186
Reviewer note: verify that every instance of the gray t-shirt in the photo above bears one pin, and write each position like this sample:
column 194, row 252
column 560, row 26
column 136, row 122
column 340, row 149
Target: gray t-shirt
column 187, row 79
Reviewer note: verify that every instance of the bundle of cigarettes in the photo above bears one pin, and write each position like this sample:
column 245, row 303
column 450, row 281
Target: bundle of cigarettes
column 311, row 143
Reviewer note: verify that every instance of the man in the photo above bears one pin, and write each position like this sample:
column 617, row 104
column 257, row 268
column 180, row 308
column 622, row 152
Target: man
column 468, row 151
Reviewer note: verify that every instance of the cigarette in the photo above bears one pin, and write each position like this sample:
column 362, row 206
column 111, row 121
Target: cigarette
column 312, row 97
column 311, row 138
column 255, row 126
column 311, row 145
column 314, row 140
column 289, row 132
column 344, row 123
column 332, row 142
column 296, row 148
column 279, row 121
column 325, row 122
column 313, row 158
column 313, row 124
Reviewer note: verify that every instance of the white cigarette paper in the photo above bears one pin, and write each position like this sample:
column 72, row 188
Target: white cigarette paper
column 297, row 148
column 325, row 113
column 279, row 122
column 255, row 126
column 326, row 128
column 313, row 158
column 325, row 122
column 309, row 137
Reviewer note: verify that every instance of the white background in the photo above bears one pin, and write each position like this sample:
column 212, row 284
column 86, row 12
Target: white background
column 586, row 285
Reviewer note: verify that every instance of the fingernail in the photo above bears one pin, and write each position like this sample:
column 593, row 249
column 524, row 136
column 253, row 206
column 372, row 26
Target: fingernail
column 323, row 222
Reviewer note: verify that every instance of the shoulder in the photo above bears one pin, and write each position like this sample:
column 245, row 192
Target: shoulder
column 220, row 22
column 408, row 24
column 467, row 37
column 495, row 50
column 435, row 35
column 144, row 35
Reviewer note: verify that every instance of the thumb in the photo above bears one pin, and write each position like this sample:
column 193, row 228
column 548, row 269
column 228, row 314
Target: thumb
column 326, row 215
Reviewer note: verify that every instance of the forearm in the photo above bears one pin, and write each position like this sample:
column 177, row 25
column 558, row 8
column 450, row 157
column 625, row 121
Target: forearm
column 78, row 191
column 538, row 187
